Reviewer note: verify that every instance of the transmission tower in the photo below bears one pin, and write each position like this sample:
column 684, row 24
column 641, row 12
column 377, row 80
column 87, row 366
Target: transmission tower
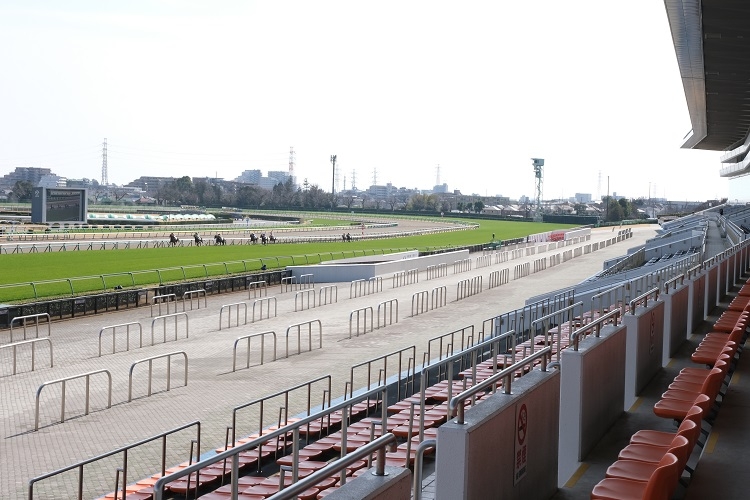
column 599, row 187
column 374, row 176
column 437, row 176
column 539, row 182
column 105, row 177
column 354, row 180
column 333, row 180
column 291, row 165
column 338, row 179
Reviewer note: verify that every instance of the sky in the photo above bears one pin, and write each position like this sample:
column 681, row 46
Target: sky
column 406, row 92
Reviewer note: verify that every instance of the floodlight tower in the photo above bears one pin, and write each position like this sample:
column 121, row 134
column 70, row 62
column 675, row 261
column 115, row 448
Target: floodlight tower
column 539, row 181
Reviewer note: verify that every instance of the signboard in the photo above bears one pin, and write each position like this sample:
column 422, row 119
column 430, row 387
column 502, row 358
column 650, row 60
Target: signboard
column 50, row 205
column 521, row 442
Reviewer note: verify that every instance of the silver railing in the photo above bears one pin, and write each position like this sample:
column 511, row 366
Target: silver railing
column 62, row 382
column 298, row 327
column 150, row 362
column 594, row 327
column 237, row 306
column 33, row 343
column 163, row 319
column 36, row 318
column 262, row 336
column 127, row 335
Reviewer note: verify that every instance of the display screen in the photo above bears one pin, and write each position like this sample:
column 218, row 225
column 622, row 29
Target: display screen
column 65, row 205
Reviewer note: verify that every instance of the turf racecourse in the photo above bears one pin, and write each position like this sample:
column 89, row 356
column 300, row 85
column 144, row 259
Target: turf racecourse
column 73, row 272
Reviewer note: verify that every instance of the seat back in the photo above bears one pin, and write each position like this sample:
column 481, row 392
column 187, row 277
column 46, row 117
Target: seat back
column 712, row 385
column 663, row 482
column 703, row 402
column 690, row 431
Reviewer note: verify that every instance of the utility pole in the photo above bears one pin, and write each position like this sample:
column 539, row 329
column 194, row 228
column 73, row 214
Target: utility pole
column 333, row 182
column 105, row 177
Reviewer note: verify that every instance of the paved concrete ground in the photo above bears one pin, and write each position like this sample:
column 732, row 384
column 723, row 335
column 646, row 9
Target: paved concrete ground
column 213, row 390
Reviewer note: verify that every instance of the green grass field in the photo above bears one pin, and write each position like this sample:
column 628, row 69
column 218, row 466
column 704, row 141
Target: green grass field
column 72, row 272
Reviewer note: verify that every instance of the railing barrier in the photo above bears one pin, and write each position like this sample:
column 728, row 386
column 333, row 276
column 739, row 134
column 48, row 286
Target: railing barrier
column 425, row 445
column 35, row 317
column 304, row 299
column 63, row 381
column 362, row 315
column 150, row 362
column 164, row 318
column 499, row 278
column 267, row 301
column 595, row 327
column 289, row 283
column 389, row 314
column 643, row 299
column 298, row 327
column 419, row 303
column 127, row 335
column 256, row 288
column 33, row 343
column 437, row 271
column 192, row 295
column 468, row 287
column 228, row 307
column 306, row 281
column 403, row 278
column 328, row 295
column 438, row 297
column 262, row 336
column 461, row 266
column 158, row 300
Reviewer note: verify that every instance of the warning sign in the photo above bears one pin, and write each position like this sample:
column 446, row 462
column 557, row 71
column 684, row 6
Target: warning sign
column 522, row 434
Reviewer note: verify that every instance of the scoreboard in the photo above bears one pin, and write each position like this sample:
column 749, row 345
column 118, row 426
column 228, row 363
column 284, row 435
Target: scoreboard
column 49, row 205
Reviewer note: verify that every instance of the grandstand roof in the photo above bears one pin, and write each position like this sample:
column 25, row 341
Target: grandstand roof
column 712, row 43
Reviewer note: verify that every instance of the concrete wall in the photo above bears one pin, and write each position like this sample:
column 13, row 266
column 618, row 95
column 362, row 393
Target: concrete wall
column 723, row 279
column 696, row 302
column 675, row 320
column 476, row 460
column 712, row 285
column 396, row 485
column 592, row 390
column 644, row 348
column 337, row 272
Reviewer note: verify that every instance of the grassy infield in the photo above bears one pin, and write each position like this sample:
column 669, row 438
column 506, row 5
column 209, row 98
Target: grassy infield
column 98, row 270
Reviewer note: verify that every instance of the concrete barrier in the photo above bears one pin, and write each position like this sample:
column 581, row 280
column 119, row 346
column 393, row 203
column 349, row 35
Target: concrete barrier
column 644, row 347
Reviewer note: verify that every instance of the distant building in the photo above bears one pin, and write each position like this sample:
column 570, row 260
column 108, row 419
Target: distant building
column 583, row 197
column 442, row 188
column 52, row 181
column 28, row 174
column 250, row 177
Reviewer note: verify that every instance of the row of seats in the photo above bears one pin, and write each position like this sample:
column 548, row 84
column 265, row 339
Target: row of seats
column 653, row 464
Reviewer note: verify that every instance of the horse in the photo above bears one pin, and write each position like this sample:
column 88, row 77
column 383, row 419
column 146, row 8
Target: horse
column 220, row 239
column 173, row 240
column 348, row 237
column 198, row 240
column 253, row 238
column 263, row 238
column 272, row 238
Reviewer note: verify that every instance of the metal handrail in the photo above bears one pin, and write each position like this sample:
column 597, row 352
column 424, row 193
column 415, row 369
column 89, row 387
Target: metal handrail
column 262, row 336
column 174, row 315
column 228, row 307
column 673, row 283
column 32, row 342
column 267, row 301
column 362, row 310
column 194, row 294
column 425, row 445
column 597, row 323
column 456, row 403
column 644, row 297
column 387, row 308
column 36, row 317
column 124, row 449
column 62, row 381
column 127, row 342
column 378, row 446
column 299, row 326
column 150, row 371
column 233, row 453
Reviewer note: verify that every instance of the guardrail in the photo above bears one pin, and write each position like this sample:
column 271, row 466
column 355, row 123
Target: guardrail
column 167, row 298
column 361, row 320
column 499, row 278
column 560, row 315
column 540, row 265
column 62, row 382
column 257, row 288
column 192, row 296
column 265, row 401
column 328, row 295
column 614, row 296
column 36, row 318
column 262, row 336
column 484, row 261
column 124, row 450
column 467, row 340
column 233, row 454
column 419, row 303
column 595, row 327
column 228, row 307
column 403, row 278
column 468, row 287
column 306, row 281
column 289, row 284
column 267, row 301
column 521, row 271
column 643, row 299
column 425, row 445
column 437, row 271
column 176, row 324
column 456, row 404
column 359, row 288
column 298, row 327
column 150, row 361
column 501, row 257
column 32, row 343
column 304, row 299
column 404, row 377
column 461, row 266
column 389, row 314
column 438, row 297
column 673, row 283
column 127, row 335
